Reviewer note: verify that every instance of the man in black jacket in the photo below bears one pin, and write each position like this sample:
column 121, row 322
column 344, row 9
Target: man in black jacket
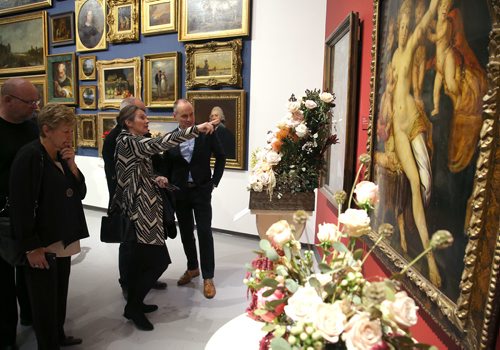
column 188, row 167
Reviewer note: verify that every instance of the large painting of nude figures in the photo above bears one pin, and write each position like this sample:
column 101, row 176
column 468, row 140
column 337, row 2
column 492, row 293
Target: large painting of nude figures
column 429, row 79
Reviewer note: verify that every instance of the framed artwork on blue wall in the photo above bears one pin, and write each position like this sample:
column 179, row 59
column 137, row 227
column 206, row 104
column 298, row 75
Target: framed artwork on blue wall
column 61, row 79
column 161, row 79
column 90, row 25
column 62, row 29
column 12, row 6
column 118, row 79
column 123, row 21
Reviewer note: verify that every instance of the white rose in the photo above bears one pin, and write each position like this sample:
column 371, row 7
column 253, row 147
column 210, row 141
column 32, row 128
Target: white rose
column 356, row 222
column 326, row 97
column 330, row 321
column 273, row 158
column 263, row 177
column 301, row 130
column 366, row 193
column 257, row 186
column 280, row 232
column 293, row 106
column 328, row 233
column 402, row 310
column 303, row 304
column 360, row 333
column 310, row 104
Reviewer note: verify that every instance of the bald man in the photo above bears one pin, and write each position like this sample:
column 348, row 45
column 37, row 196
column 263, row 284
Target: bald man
column 19, row 100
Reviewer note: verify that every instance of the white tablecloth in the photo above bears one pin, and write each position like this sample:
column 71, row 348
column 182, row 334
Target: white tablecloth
column 240, row 333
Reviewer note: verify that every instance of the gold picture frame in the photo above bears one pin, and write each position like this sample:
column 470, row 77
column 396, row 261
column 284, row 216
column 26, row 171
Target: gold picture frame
column 40, row 83
column 210, row 19
column 19, row 33
column 90, row 16
column 88, row 97
column 462, row 297
column 62, row 29
column 233, row 132
column 87, row 67
column 123, row 21
column 7, row 7
column 118, row 79
column 214, row 64
column 158, row 16
column 161, row 79
column 61, row 79
column 86, row 130
column 105, row 122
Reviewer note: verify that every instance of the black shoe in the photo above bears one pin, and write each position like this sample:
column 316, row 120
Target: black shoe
column 70, row 341
column 140, row 321
column 125, row 293
column 159, row 285
column 149, row 308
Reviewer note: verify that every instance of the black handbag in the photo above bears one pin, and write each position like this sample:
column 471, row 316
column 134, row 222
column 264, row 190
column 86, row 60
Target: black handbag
column 169, row 226
column 117, row 228
column 10, row 248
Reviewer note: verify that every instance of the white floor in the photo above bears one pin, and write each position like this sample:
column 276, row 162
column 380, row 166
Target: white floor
column 185, row 320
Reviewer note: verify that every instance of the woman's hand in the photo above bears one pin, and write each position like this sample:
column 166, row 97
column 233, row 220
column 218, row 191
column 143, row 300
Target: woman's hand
column 36, row 259
column 206, row 128
column 68, row 154
column 161, row 181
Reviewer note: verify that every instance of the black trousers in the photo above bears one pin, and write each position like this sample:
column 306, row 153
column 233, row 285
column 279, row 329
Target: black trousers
column 124, row 256
column 8, row 305
column 22, row 294
column 197, row 201
column 48, row 292
column 147, row 264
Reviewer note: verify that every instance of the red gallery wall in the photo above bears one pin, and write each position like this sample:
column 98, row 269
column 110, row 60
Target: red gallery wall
column 426, row 330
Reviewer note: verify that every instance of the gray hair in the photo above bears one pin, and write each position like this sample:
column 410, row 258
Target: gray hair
column 127, row 113
column 220, row 112
column 176, row 103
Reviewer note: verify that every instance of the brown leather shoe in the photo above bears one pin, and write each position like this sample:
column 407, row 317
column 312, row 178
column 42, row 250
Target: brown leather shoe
column 208, row 288
column 188, row 276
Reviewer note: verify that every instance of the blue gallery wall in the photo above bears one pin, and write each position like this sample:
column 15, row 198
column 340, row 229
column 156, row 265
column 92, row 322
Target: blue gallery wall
column 146, row 45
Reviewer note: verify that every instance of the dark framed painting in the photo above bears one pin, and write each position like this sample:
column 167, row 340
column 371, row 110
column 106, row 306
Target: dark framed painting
column 87, row 67
column 23, row 47
column 13, row 6
column 210, row 19
column 118, row 79
column 40, row 83
column 158, row 16
column 159, row 126
column 214, row 64
column 87, row 129
column 88, row 97
column 341, row 79
column 161, row 79
column 62, row 29
column 123, row 21
column 90, row 25
column 434, row 138
column 105, row 122
column 61, row 79
column 230, row 105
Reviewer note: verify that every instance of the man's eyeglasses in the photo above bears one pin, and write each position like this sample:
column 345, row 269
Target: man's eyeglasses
column 33, row 103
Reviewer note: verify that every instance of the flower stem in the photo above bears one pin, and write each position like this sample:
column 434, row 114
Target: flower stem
column 354, row 185
column 372, row 248
column 426, row 250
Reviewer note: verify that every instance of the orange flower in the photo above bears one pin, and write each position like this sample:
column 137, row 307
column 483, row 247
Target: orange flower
column 282, row 134
column 276, row 145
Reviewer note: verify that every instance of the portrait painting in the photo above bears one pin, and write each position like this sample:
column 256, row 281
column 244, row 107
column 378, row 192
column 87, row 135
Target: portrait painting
column 87, row 67
column 123, row 21
column 158, row 16
column 159, row 126
column 430, row 78
column 23, row 43
column 61, row 77
column 86, row 130
column 161, row 79
column 204, row 19
column 12, row 6
column 91, row 25
column 229, row 107
column 88, row 98
column 124, row 17
column 118, row 79
column 62, row 29
column 105, row 122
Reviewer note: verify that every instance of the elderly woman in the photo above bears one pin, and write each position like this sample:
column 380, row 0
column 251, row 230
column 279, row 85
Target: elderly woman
column 138, row 196
column 46, row 192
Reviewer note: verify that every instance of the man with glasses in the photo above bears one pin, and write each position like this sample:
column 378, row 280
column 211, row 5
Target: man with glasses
column 18, row 101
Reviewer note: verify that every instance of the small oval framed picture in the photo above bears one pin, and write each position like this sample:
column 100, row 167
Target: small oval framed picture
column 88, row 97
column 87, row 67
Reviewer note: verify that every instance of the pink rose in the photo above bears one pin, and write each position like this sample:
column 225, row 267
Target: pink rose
column 366, row 193
column 310, row 104
column 279, row 233
column 262, row 301
column 330, row 321
column 402, row 310
column 360, row 333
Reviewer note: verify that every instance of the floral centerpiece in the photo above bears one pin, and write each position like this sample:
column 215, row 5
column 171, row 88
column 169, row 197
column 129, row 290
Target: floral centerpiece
column 309, row 304
column 293, row 158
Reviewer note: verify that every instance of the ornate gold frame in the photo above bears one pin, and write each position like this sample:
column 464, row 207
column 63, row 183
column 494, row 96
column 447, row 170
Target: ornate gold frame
column 102, row 44
column 41, row 15
column 100, row 129
column 473, row 320
column 148, row 83
column 115, row 35
column 185, row 17
column 86, row 142
column 81, row 73
column 62, row 58
column 213, row 48
column 119, row 63
column 147, row 28
column 82, row 101
column 203, row 101
column 28, row 7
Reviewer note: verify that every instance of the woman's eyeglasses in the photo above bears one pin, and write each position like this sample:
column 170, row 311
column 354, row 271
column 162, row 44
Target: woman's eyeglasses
column 33, row 103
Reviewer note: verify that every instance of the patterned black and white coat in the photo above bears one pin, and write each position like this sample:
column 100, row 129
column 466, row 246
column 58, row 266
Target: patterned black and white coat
column 137, row 195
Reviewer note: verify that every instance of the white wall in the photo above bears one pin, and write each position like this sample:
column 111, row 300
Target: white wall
column 287, row 57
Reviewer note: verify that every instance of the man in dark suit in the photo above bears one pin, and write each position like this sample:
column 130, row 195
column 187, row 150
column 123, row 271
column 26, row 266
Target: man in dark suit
column 188, row 167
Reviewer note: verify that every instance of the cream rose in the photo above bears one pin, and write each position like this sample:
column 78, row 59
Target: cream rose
column 326, row 97
column 280, row 232
column 257, row 186
column 402, row 310
column 328, row 233
column 360, row 333
column 293, row 106
column 356, row 222
column 330, row 321
column 310, row 104
column 301, row 130
column 303, row 304
column 366, row 193
column 273, row 158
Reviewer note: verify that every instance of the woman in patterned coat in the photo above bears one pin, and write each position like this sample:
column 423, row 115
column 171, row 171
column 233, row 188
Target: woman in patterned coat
column 138, row 196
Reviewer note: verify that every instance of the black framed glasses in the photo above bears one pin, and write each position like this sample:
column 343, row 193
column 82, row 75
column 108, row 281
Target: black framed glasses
column 33, row 103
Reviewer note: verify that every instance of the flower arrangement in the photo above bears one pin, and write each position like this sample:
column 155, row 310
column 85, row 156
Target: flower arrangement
column 293, row 158
column 309, row 304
